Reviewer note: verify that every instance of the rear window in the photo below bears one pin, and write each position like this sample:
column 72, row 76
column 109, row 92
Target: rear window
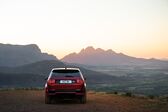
column 65, row 73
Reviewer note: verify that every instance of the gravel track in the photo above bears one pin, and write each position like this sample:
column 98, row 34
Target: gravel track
column 33, row 101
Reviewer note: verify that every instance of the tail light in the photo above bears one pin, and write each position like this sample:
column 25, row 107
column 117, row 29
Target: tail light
column 79, row 81
column 51, row 81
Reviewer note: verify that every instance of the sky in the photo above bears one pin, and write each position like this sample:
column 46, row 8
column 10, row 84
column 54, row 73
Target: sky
column 134, row 27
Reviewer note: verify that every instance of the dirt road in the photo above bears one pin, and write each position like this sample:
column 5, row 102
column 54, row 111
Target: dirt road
column 33, row 101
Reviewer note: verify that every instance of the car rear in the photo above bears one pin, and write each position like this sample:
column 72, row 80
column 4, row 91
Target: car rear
column 65, row 83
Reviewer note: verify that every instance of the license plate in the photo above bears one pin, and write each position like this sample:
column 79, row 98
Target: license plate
column 65, row 81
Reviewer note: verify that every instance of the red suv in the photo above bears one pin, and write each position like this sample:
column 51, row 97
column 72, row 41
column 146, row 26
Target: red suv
column 65, row 83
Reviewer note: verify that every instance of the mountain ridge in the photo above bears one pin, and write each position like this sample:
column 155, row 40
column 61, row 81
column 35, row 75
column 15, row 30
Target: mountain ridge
column 17, row 55
column 100, row 57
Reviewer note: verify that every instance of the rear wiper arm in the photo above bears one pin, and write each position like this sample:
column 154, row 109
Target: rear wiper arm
column 69, row 76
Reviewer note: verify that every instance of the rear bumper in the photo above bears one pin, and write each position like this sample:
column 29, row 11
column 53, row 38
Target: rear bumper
column 64, row 92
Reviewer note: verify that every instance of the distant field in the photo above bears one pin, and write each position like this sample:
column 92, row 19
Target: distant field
column 146, row 80
column 33, row 101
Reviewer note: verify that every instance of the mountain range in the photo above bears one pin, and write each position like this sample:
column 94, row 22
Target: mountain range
column 17, row 55
column 26, row 66
column 100, row 57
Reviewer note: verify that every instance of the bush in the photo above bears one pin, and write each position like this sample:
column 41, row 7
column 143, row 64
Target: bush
column 129, row 94
column 115, row 92
column 151, row 96
column 167, row 98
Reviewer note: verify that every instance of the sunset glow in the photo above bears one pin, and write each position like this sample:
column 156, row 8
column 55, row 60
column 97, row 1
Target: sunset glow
column 134, row 27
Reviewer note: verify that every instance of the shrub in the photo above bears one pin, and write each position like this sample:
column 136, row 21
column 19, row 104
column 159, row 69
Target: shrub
column 151, row 96
column 129, row 94
column 115, row 92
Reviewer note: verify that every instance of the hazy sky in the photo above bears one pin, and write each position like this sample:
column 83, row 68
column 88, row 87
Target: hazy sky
column 135, row 27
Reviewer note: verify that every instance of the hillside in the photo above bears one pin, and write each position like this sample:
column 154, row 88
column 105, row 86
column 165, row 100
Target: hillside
column 33, row 101
column 17, row 55
column 100, row 57
column 35, row 74
column 138, row 81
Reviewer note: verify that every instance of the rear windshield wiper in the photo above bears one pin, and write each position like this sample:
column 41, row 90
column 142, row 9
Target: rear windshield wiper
column 69, row 76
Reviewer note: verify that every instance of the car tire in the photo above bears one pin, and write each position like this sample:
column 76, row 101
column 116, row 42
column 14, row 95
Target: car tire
column 47, row 99
column 83, row 99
